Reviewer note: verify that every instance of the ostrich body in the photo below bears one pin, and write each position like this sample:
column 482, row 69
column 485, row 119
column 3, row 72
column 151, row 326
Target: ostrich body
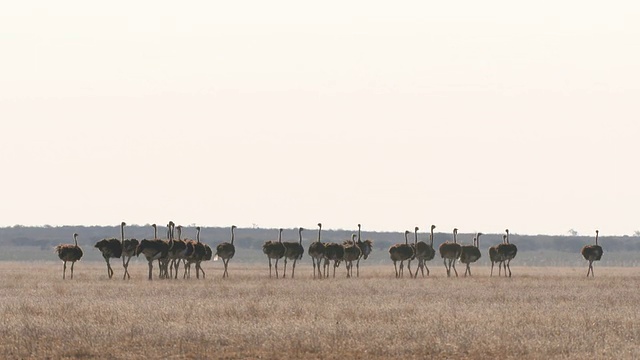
column 155, row 249
column 450, row 251
column 352, row 253
column 293, row 251
column 178, row 250
column 365, row 250
column 401, row 252
column 424, row 251
column 128, row 251
column 110, row 248
column 507, row 251
column 201, row 252
column 316, row 252
column 590, row 253
column 225, row 251
column 332, row 252
column 274, row 250
column 68, row 252
column 470, row 253
column 496, row 257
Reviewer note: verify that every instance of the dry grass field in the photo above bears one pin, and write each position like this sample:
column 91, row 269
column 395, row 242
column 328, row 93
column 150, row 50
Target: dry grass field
column 540, row 313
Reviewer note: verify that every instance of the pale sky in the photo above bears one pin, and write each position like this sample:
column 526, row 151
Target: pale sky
column 479, row 115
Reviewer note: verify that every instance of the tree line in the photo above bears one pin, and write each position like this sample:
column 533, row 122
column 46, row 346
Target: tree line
column 46, row 237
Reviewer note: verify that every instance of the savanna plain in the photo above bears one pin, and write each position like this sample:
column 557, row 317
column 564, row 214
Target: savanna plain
column 539, row 313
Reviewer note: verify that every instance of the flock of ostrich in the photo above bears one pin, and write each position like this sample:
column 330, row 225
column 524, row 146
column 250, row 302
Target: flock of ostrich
column 171, row 252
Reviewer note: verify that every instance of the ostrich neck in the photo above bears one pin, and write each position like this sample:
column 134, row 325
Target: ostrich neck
column 122, row 233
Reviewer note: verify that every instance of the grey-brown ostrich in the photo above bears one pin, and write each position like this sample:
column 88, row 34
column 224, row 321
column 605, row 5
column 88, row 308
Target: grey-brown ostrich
column 590, row 253
column 470, row 254
column 496, row 257
column 128, row 251
column 201, row 252
column 507, row 251
column 332, row 252
column 178, row 251
column 401, row 252
column 293, row 251
column 225, row 251
column 316, row 252
column 155, row 249
column 431, row 252
column 450, row 251
column 208, row 254
column 351, row 253
column 366, row 247
column 68, row 252
column 274, row 250
column 423, row 251
column 110, row 248
column 165, row 259
column 193, row 256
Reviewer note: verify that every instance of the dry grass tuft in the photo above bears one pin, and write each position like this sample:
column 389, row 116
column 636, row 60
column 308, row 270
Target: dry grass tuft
column 540, row 313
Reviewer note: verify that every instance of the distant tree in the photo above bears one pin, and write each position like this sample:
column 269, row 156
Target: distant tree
column 573, row 232
column 636, row 233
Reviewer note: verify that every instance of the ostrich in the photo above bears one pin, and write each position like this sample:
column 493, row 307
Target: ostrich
column 178, row 250
column 424, row 251
column 201, row 252
column 470, row 253
column 293, row 251
column 128, row 251
column 507, row 251
column 496, row 257
column 208, row 254
column 68, row 252
column 365, row 249
column 190, row 255
column 274, row 250
column 333, row 252
column 316, row 252
column 164, row 262
column 110, row 248
column 155, row 249
column 197, row 253
column 590, row 253
column 431, row 252
column 226, row 251
column 352, row 253
column 401, row 252
column 450, row 251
